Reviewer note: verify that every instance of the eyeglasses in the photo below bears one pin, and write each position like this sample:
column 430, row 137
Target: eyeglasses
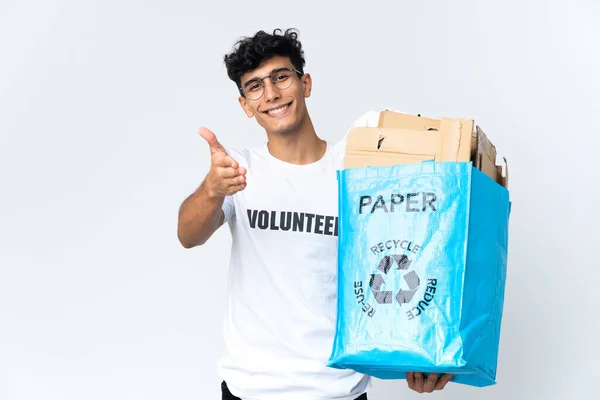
column 281, row 78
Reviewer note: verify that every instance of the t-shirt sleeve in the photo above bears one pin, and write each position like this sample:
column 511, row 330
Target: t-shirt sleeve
column 228, row 208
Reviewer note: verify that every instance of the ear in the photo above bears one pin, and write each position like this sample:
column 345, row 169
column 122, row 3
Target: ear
column 307, row 84
column 244, row 104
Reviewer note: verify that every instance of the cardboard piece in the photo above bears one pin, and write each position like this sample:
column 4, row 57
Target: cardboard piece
column 505, row 178
column 455, row 140
column 403, row 139
column 389, row 146
column 399, row 145
column 489, row 168
column 484, row 148
column 392, row 119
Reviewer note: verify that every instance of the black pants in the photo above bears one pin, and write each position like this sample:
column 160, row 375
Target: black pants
column 228, row 396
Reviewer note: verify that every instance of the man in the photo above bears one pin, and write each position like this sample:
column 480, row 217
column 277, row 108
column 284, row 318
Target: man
column 280, row 201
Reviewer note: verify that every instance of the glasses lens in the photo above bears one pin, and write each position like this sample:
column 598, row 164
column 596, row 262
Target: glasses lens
column 254, row 90
column 282, row 79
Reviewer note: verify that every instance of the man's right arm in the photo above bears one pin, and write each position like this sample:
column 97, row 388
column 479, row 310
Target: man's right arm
column 201, row 213
column 200, row 216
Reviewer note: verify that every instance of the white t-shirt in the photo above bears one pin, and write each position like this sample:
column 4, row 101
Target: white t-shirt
column 282, row 291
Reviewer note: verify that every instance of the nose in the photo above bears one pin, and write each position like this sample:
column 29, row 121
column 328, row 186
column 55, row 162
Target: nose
column 271, row 92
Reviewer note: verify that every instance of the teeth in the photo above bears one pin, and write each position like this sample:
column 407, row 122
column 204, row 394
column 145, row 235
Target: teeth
column 277, row 110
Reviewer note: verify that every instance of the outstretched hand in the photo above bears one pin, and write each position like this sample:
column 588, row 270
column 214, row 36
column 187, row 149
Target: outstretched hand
column 225, row 176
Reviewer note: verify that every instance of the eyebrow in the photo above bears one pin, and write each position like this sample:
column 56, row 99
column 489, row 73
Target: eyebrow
column 257, row 79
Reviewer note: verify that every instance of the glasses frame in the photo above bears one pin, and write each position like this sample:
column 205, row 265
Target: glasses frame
column 270, row 76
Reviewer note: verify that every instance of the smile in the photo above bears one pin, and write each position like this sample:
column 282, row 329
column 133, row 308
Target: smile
column 279, row 110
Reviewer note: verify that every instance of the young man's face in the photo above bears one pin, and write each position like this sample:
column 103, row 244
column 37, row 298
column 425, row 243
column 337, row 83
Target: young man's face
column 279, row 111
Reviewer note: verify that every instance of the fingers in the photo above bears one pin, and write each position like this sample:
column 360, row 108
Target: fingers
column 226, row 177
column 227, row 172
column 419, row 378
column 239, row 187
column 421, row 384
column 226, row 167
column 231, row 190
column 410, row 379
column 229, row 187
column 224, row 161
column 443, row 381
column 430, row 381
column 237, row 180
column 211, row 138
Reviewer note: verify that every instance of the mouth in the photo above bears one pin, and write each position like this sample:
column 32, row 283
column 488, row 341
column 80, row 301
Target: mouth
column 275, row 112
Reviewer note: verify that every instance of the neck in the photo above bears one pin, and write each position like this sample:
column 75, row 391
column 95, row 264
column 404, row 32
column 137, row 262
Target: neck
column 301, row 146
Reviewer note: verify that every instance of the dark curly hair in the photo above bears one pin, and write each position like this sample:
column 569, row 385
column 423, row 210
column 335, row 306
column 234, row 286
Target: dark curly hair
column 251, row 52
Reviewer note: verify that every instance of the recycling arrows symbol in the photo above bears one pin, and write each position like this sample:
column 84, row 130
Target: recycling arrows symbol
column 411, row 279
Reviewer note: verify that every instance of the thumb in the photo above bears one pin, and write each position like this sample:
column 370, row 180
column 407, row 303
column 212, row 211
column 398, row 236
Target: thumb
column 211, row 138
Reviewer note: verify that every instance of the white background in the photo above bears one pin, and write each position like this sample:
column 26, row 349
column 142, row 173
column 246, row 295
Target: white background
column 100, row 102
